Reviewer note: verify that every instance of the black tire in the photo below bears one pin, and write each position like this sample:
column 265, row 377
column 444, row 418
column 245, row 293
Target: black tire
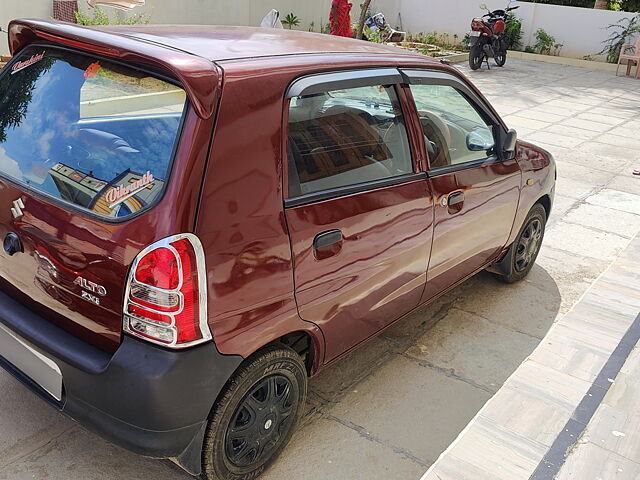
column 476, row 55
column 501, row 55
column 522, row 254
column 255, row 416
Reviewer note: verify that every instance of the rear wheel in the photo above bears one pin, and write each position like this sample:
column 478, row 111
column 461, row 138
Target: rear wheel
column 476, row 55
column 256, row 416
column 501, row 53
column 524, row 250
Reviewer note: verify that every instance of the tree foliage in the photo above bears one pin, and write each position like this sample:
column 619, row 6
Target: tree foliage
column 15, row 96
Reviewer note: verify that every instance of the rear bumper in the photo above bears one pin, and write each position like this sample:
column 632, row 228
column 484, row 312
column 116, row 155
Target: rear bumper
column 147, row 399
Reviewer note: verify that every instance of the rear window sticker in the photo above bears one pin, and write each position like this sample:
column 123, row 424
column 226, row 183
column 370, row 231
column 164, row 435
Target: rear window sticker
column 119, row 194
column 36, row 57
column 91, row 70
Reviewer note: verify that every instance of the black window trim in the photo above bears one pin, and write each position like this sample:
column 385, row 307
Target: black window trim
column 343, row 79
column 413, row 76
column 337, row 192
column 83, row 211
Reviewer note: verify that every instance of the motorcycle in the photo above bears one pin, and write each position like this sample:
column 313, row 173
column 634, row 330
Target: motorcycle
column 487, row 38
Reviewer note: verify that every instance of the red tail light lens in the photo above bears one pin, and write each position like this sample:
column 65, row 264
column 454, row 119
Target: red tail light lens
column 165, row 299
column 159, row 269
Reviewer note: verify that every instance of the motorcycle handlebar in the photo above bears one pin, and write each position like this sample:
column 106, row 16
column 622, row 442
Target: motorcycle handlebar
column 513, row 8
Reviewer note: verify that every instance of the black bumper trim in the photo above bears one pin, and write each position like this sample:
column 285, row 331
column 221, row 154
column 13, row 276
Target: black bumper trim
column 147, row 399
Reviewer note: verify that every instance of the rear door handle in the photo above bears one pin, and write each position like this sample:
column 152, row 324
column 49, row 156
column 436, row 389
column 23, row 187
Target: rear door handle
column 455, row 198
column 326, row 239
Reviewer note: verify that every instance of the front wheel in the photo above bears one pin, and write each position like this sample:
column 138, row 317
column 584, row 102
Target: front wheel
column 501, row 54
column 476, row 55
column 255, row 417
column 523, row 252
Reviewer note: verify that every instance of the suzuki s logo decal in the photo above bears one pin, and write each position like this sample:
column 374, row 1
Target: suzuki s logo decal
column 16, row 210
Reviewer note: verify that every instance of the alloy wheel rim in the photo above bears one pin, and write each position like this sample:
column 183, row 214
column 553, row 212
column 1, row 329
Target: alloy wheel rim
column 528, row 245
column 261, row 421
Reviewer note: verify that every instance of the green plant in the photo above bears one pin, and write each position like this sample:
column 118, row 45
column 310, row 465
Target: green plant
column 312, row 26
column 513, row 32
column 529, row 49
column 100, row 17
column 291, row 21
column 544, row 42
column 621, row 31
column 375, row 36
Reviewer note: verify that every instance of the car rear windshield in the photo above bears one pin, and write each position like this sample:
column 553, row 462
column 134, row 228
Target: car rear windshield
column 87, row 131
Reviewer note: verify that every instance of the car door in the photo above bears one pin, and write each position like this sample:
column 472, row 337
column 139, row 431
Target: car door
column 358, row 210
column 475, row 188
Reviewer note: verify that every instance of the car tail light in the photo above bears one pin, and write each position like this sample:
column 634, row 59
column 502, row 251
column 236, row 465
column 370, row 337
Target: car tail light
column 166, row 293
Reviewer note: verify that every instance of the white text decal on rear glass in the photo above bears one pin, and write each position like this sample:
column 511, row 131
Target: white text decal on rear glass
column 119, row 194
column 27, row 63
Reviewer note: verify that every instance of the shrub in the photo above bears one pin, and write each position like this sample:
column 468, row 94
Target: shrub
column 513, row 32
column 100, row 17
column 622, row 31
column 544, row 42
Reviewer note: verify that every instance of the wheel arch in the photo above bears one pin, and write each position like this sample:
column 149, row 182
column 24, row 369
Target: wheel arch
column 545, row 201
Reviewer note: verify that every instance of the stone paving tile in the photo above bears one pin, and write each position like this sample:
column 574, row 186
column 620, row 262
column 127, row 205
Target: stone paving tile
column 28, row 421
column 472, row 347
column 541, row 423
column 572, row 132
column 562, row 390
column 624, row 224
column 517, row 306
column 488, row 451
column 416, row 408
column 584, row 241
column 555, row 139
column 93, row 458
column 338, row 451
column 626, row 183
column 616, row 200
column 592, row 462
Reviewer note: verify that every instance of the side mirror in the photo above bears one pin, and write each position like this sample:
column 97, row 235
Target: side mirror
column 480, row 140
column 483, row 6
column 509, row 144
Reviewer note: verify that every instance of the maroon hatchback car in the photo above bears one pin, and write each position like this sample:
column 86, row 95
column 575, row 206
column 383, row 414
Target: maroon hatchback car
column 196, row 219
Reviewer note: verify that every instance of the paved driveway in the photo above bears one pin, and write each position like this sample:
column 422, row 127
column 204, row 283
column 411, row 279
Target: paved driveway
column 389, row 409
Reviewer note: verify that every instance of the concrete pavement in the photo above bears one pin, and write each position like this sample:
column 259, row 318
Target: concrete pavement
column 388, row 410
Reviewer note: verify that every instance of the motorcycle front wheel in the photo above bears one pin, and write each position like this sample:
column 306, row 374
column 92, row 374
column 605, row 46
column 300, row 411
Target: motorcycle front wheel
column 501, row 54
column 476, row 55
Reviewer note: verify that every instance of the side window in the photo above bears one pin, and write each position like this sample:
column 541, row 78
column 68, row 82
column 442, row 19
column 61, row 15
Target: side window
column 454, row 130
column 346, row 137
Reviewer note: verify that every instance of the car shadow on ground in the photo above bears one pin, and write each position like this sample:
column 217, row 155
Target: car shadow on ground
column 421, row 381
column 416, row 386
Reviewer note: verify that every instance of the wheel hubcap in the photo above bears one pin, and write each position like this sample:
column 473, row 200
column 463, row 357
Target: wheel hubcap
column 261, row 421
column 528, row 245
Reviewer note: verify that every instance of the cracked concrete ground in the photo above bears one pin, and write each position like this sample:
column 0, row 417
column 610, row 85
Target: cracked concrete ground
column 390, row 408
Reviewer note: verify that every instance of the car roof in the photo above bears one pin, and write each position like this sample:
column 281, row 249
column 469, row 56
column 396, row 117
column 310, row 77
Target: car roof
column 223, row 43
column 191, row 53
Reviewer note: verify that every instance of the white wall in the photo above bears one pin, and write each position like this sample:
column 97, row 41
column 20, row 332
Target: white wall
column 581, row 30
column 221, row 12
column 229, row 12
